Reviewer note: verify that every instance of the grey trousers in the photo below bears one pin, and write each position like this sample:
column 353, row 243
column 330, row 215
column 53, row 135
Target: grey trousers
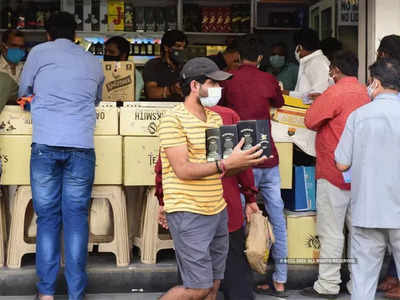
column 368, row 247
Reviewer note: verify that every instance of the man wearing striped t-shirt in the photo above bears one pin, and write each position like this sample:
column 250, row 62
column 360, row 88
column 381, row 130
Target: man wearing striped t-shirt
column 196, row 210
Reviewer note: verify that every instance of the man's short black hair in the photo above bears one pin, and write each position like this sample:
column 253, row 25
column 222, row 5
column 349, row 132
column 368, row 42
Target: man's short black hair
column 387, row 71
column 11, row 32
column 122, row 44
column 232, row 46
column 185, row 83
column 61, row 25
column 280, row 45
column 330, row 46
column 346, row 61
column 307, row 38
column 390, row 45
column 250, row 47
column 171, row 37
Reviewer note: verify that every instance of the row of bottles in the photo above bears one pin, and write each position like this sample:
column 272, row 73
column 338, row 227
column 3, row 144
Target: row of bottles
column 138, row 48
column 27, row 15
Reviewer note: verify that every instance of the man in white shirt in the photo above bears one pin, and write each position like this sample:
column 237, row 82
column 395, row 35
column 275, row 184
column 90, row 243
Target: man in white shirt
column 313, row 77
column 12, row 52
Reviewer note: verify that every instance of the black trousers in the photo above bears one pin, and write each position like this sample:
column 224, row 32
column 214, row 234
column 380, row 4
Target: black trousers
column 238, row 282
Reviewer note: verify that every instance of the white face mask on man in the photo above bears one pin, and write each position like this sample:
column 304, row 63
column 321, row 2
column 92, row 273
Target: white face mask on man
column 297, row 53
column 214, row 95
column 371, row 89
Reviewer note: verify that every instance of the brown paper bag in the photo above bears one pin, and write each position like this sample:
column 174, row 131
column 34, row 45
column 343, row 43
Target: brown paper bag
column 258, row 243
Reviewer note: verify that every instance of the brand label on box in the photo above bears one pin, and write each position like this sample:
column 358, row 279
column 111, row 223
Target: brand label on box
column 140, row 121
column 119, row 83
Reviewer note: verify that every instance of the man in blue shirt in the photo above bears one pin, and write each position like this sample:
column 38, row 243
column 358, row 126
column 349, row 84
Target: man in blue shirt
column 66, row 83
column 370, row 146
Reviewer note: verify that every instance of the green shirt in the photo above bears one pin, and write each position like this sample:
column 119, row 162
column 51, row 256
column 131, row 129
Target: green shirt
column 8, row 89
column 287, row 75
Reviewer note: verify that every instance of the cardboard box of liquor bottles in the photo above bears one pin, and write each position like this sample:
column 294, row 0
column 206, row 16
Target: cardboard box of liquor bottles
column 141, row 118
column 119, row 83
column 140, row 157
column 15, row 152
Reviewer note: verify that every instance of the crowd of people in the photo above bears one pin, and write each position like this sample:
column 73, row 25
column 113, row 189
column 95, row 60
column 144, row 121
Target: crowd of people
column 205, row 204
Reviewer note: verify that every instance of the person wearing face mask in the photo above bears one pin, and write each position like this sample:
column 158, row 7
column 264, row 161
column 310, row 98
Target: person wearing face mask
column 369, row 145
column 251, row 93
column 12, row 52
column 284, row 71
column 161, row 75
column 389, row 47
column 196, row 212
column 313, row 77
column 327, row 116
column 117, row 48
column 229, row 59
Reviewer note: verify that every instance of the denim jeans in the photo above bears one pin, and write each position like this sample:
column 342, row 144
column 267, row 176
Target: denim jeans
column 268, row 182
column 61, row 180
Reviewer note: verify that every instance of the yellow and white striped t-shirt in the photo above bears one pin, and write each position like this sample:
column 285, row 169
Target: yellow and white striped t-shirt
column 203, row 196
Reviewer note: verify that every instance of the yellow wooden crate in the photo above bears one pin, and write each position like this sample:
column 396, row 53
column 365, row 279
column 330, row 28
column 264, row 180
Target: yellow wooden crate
column 285, row 151
column 15, row 152
column 303, row 243
column 140, row 157
column 296, row 102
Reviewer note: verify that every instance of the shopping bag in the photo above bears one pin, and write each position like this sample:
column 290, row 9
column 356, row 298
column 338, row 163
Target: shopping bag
column 259, row 242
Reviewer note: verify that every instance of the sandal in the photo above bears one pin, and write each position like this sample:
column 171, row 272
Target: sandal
column 271, row 291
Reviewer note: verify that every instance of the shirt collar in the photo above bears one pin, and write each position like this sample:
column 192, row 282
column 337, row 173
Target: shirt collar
column 348, row 79
column 387, row 96
column 3, row 62
column 311, row 56
column 248, row 66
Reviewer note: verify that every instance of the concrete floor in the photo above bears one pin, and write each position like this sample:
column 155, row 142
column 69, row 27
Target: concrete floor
column 153, row 296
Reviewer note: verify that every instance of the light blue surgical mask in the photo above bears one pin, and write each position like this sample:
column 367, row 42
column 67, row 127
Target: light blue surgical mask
column 15, row 55
column 277, row 61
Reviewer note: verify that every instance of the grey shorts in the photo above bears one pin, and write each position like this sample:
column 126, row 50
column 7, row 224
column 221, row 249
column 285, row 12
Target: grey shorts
column 201, row 247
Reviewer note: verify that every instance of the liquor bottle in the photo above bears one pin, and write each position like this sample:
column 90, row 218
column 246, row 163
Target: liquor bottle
column 129, row 16
column 213, row 144
column 229, row 139
column 149, row 49
column 247, row 130
column 8, row 18
column 157, row 48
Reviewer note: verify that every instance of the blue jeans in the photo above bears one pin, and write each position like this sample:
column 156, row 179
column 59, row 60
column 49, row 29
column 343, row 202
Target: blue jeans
column 61, row 180
column 268, row 182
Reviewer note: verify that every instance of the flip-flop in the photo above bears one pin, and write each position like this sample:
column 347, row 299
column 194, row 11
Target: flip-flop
column 271, row 291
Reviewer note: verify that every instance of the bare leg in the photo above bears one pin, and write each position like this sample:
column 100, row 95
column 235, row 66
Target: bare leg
column 214, row 291
column 182, row 293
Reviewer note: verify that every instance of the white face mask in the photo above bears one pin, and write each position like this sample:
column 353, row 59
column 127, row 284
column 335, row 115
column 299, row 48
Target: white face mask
column 371, row 89
column 214, row 95
column 297, row 53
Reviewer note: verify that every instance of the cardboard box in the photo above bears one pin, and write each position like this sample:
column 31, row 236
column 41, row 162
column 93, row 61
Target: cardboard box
column 290, row 116
column 285, row 152
column 141, row 120
column 303, row 242
column 106, row 121
column 119, row 84
column 14, row 120
column 140, row 158
column 295, row 102
column 15, row 154
column 303, row 196
column 108, row 159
